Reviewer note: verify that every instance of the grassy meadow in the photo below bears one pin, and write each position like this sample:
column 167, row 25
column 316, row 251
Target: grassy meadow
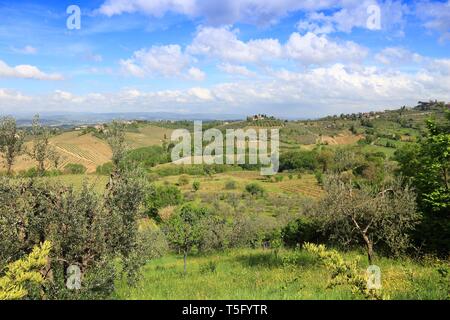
column 260, row 274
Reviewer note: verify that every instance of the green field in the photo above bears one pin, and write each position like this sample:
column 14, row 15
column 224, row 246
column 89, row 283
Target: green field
column 259, row 274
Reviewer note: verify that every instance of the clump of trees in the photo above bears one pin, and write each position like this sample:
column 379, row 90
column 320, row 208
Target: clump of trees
column 91, row 231
column 427, row 166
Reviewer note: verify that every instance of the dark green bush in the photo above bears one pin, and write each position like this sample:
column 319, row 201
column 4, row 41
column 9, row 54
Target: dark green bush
column 74, row 168
column 255, row 189
column 104, row 169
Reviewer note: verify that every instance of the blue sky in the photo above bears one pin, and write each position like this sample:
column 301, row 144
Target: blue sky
column 282, row 57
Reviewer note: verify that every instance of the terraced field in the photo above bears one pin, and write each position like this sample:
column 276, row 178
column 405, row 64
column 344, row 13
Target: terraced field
column 148, row 135
column 306, row 185
column 86, row 149
column 90, row 151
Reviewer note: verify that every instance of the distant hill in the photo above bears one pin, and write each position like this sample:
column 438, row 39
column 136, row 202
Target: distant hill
column 74, row 118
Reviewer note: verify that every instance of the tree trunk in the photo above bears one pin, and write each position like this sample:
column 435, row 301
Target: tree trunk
column 184, row 258
column 369, row 246
column 8, row 168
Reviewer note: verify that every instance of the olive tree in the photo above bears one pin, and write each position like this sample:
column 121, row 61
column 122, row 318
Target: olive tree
column 92, row 231
column 11, row 141
column 350, row 213
column 185, row 229
column 41, row 144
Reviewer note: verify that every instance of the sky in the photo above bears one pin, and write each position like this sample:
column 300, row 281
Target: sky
column 288, row 58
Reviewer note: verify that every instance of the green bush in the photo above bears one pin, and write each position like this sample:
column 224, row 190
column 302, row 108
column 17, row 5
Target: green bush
column 295, row 160
column 230, row 185
column 74, row 168
column 183, row 180
column 196, row 185
column 255, row 189
column 278, row 178
column 160, row 197
column 104, row 169
column 302, row 230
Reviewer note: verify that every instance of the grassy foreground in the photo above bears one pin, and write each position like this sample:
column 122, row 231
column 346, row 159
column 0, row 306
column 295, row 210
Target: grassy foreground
column 259, row 274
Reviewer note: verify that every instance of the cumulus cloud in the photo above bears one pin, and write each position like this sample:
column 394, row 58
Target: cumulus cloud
column 398, row 55
column 224, row 44
column 236, row 69
column 323, row 90
column 314, row 49
column 26, row 71
column 196, row 74
column 166, row 61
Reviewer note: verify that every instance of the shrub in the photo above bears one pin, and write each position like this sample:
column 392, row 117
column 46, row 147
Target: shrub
column 342, row 272
column 295, row 160
column 255, row 189
column 183, row 180
column 278, row 178
column 301, row 230
column 209, row 267
column 74, row 168
column 230, row 185
column 160, row 197
column 104, row 169
column 319, row 177
column 22, row 274
column 196, row 186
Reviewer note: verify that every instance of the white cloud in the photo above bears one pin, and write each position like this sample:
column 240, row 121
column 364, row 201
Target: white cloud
column 314, row 49
column 260, row 12
column 201, row 93
column 354, row 14
column 154, row 8
column 398, row 55
column 222, row 43
column 166, row 61
column 313, row 91
column 25, row 71
column 11, row 96
column 26, row 50
column 236, row 69
column 436, row 16
column 441, row 66
column 196, row 74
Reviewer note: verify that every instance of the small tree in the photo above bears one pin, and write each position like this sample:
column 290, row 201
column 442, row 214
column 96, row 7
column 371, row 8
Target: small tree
column 196, row 186
column 115, row 136
column 55, row 157
column 41, row 147
column 183, row 180
column 185, row 229
column 11, row 141
column 349, row 213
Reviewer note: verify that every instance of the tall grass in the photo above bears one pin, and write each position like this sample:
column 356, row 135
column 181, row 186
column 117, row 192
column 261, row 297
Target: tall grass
column 259, row 274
